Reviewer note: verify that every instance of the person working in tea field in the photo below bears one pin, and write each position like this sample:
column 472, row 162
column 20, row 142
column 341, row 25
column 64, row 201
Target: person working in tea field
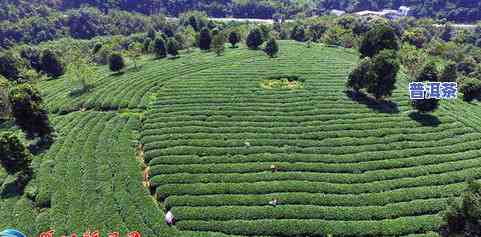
column 170, row 218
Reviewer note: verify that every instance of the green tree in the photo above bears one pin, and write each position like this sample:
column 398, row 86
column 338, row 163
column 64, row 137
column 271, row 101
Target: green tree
column 377, row 75
column 272, row 48
column 254, row 39
column 298, row 33
column 412, row 58
column 159, row 48
column 478, row 43
column 218, row 43
column 9, row 66
column 416, row 37
column 378, row 38
column 28, row 111
column 32, row 56
column 338, row 36
column 383, row 73
column 80, row 69
column 5, row 107
column 358, row 78
column 205, row 39
column 151, row 33
column 51, row 64
column 467, row 66
column 471, row 89
column 134, row 52
column 429, row 73
column 146, row 46
column 97, row 48
column 463, row 215
column 180, row 40
column 234, row 38
column 189, row 38
column 450, row 73
column 172, row 47
column 16, row 160
column 116, row 62
column 447, row 33
column 14, row 156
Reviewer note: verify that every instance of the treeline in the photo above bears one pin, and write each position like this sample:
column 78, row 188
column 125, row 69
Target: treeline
column 83, row 23
column 451, row 10
column 222, row 8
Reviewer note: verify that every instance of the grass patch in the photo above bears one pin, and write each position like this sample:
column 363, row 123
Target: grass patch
column 282, row 83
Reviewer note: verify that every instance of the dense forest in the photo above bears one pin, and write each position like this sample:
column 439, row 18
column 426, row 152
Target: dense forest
column 451, row 10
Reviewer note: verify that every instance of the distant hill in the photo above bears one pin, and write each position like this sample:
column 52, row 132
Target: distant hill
column 452, row 10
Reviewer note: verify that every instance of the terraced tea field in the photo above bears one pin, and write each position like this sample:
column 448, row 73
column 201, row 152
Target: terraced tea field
column 210, row 132
column 344, row 168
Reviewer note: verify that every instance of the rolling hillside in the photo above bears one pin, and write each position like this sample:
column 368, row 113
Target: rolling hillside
column 210, row 129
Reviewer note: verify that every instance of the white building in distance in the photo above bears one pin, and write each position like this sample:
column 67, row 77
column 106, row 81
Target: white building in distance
column 386, row 13
column 337, row 12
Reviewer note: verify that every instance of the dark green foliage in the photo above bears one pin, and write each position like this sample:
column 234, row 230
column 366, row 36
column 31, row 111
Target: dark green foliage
column 195, row 19
column 97, row 48
column 463, row 216
column 102, row 56
column 254, row 39
column 447, row 33
column 428, row 73
column 146, row 45
column 32, row 56
column 51, row 64
column 159, row 48
column 218, row 43
column 272, row 48
column 234, row 38
column 151, row 33
column 14, row 156
column 379, row 38
column 416, row 37
column 358, row 78
column 180, row 40
column 478, row 43
column 172, row 47
column 9, row 66
column 27, row 109
column 449, row 73
column 383, row 73
column 42, row 20
column 467, row 66
column 298, row 33
column 471, row 89
column 316, row 31
column 5, row 107
column 116, row 62
column 376, row 75
column 215, row 31
column 86, row 23
column 452, row 10
column 425, row 105
column 205, row 39
column 266, row 31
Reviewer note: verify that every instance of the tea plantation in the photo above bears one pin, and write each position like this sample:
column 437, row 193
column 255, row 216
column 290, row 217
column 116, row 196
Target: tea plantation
column 211, row 133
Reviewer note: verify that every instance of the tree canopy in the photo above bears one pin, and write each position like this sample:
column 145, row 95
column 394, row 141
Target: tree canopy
column 381, row 37
column 254, row 39
column 28, row 111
